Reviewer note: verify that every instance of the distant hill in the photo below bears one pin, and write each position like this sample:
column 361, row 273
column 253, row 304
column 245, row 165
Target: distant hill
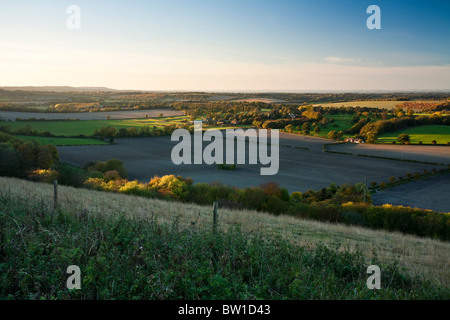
column 58, row 89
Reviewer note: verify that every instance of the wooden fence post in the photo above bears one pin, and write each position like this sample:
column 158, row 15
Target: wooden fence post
column 214, row 252
column 55, row 193
column 215, row 205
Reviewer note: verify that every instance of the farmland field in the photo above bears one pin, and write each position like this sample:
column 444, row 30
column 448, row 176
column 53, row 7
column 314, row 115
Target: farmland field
column 341, row 122
column 87, row 127
column 113, row 115
column 429, row 193
column 424, row 134
column 57, row 141
column 429, row 153
column 303, row 165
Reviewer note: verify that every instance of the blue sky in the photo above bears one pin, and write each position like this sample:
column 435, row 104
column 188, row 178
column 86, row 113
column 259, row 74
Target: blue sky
column 227, row 45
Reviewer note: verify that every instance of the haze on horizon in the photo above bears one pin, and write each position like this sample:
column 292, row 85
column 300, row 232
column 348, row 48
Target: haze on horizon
column 227, row 46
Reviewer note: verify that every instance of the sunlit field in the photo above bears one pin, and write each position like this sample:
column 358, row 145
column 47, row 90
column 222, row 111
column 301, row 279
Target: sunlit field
column 87, row 127
column 424, row 134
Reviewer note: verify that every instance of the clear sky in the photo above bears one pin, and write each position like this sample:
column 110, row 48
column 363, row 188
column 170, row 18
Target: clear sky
column 227, row 45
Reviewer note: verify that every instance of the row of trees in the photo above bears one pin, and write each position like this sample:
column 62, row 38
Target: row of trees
column 109, row 132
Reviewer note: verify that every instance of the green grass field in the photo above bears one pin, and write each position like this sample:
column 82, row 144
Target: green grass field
column 426, row 134
column 64, row 141
column 343, row 122
column 42, row 107
column 87, row 127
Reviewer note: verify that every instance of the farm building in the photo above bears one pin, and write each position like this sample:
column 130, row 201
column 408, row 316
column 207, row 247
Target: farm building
column 354, row 140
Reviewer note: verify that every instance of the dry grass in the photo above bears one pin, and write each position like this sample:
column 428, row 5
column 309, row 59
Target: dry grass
column 422, row 257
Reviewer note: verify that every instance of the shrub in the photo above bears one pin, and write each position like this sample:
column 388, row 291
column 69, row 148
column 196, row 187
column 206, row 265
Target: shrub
column 95, row 174
column 176, row 187
column 408, row 220
column 275, row 205
column 43, row 175
column 111, row 175
column 225, row 166
column 351, row 217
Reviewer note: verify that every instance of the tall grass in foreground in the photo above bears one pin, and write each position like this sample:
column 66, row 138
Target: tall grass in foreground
column 423, row 257
column 122, row 257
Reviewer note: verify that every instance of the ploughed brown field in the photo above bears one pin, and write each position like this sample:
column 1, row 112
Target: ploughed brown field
column 428, row 153
column 303, row 164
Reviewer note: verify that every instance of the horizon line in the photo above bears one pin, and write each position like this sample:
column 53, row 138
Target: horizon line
column 105, row 88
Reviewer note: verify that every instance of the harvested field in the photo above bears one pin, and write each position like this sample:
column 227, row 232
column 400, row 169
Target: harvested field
column 303, row 165
column 439, row 154
column 431, row 193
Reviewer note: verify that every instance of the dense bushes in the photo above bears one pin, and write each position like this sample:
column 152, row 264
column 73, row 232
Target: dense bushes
column 424, row 223
column 18, row 157
column 356, row 128
column 110, row 165
column 282, row 123
column 408, row 220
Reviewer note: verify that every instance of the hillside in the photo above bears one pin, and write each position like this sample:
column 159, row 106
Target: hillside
column 422, row 258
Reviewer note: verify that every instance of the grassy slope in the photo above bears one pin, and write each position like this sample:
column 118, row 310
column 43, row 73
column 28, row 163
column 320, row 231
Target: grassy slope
column 426, row 134
column 422, row 257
